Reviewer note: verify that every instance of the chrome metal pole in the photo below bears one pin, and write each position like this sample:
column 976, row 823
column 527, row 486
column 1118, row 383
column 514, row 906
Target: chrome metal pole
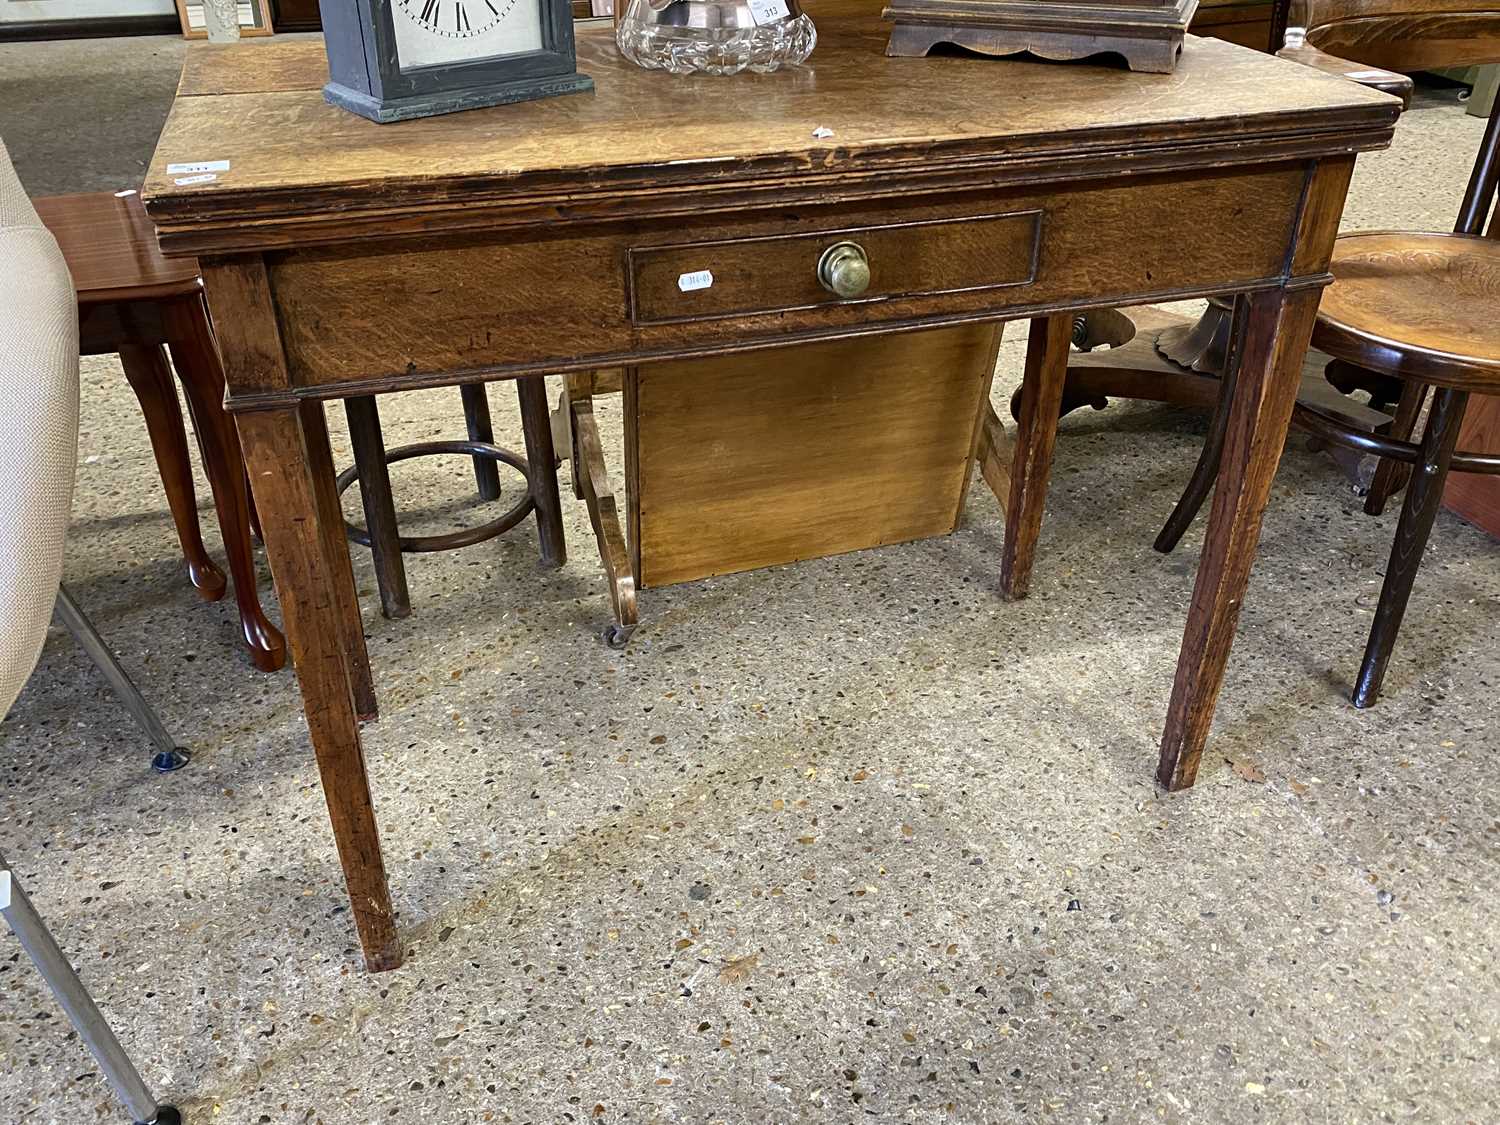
column 84, row 1014
column 169, row 756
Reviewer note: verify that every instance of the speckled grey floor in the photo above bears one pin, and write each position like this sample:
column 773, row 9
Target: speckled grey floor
column 851, row 839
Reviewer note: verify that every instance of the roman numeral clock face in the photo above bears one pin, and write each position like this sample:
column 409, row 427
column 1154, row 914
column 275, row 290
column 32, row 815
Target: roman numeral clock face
column 433, row 32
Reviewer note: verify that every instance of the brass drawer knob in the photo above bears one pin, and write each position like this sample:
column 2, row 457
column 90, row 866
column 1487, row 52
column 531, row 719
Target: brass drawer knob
column 844, row 270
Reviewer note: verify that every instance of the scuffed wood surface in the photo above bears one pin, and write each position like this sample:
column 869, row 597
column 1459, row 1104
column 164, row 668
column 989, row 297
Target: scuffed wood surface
column 293, row 155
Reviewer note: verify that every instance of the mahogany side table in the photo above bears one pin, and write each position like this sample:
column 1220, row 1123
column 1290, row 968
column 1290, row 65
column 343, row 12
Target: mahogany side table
column 134, row 302
column 341, row 257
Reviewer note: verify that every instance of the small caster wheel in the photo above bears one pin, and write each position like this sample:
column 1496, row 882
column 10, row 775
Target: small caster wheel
column 616, row 636
column 166, row 761
column 165, row 1115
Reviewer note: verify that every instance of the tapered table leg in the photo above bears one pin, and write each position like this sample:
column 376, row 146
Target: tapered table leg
column 1036, row 434
column 1278, row 328
column 341, row 571
column 291, row 472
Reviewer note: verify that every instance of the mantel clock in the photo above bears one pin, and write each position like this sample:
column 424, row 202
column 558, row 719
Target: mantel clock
column 393, row 59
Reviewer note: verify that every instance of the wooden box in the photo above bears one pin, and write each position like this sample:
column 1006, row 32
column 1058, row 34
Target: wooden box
column 1146, row 33
column 771, row 457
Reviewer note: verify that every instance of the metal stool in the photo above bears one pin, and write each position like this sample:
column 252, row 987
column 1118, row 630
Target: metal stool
column 371, row 468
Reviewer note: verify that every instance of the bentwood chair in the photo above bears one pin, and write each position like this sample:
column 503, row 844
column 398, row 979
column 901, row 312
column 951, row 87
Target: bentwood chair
column 1419, row 308
column 38, row 451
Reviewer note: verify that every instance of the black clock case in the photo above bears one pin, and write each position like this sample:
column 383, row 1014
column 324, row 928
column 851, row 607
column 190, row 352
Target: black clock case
column 366, row 78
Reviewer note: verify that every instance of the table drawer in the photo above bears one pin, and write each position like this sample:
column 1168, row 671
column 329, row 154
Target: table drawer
column 731, row 277
column 418, row 309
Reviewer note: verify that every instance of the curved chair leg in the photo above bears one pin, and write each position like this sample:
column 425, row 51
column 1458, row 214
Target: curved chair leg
column 150, row 377
column 81, row 1010
column 1424, row 495
column 202, row 376
column 169, row 756
column 1207, row 469
column 1391, row 476
column 477, row 418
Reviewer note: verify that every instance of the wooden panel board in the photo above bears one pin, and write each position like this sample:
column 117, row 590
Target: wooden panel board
column 754, row 460
column 1477, row 498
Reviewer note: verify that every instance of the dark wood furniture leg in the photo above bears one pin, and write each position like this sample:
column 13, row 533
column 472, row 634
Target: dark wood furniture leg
column 282, row 447
column 150, row 377
column 1036, row 434
column 380, row 507
column 196, row 358
column 1213, row 446
column 541, row 457
column 1278, row 327
column 477, row 418
column 1391, row 476
column 1424, row 495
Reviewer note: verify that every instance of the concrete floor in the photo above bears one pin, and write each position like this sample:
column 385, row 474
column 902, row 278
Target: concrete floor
column 846, row 840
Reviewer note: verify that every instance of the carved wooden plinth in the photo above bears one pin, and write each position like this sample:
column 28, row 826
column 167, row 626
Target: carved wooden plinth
column 1157, row 356
column 1147, row 35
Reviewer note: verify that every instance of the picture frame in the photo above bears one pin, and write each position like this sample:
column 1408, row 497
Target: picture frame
column 255, row 18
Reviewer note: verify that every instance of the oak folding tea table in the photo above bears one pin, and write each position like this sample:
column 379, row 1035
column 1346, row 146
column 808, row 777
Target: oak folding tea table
column 347, row 258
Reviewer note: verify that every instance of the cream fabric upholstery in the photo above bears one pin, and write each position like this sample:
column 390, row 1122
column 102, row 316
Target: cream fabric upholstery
column 38, row 427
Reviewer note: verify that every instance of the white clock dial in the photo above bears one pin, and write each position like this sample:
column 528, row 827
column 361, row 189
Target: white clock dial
column 432, row 32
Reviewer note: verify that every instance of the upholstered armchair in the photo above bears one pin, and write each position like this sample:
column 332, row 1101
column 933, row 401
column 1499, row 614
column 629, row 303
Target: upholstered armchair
column 38, row 451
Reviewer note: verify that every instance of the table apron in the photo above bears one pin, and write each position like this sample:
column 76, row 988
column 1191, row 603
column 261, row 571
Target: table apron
column 409, row 312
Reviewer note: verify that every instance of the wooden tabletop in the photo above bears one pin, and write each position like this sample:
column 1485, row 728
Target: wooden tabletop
column 110, row 248
column 643, row 135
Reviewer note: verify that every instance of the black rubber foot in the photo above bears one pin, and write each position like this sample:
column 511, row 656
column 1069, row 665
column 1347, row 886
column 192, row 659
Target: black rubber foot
column 616, row 636
column 165, row 762
column 165, row 1115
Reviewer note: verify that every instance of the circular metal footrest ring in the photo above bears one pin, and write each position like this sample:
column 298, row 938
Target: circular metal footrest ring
column 419, row 544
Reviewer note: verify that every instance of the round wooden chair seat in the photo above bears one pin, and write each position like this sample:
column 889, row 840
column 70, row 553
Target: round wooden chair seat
column 1419, row 306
